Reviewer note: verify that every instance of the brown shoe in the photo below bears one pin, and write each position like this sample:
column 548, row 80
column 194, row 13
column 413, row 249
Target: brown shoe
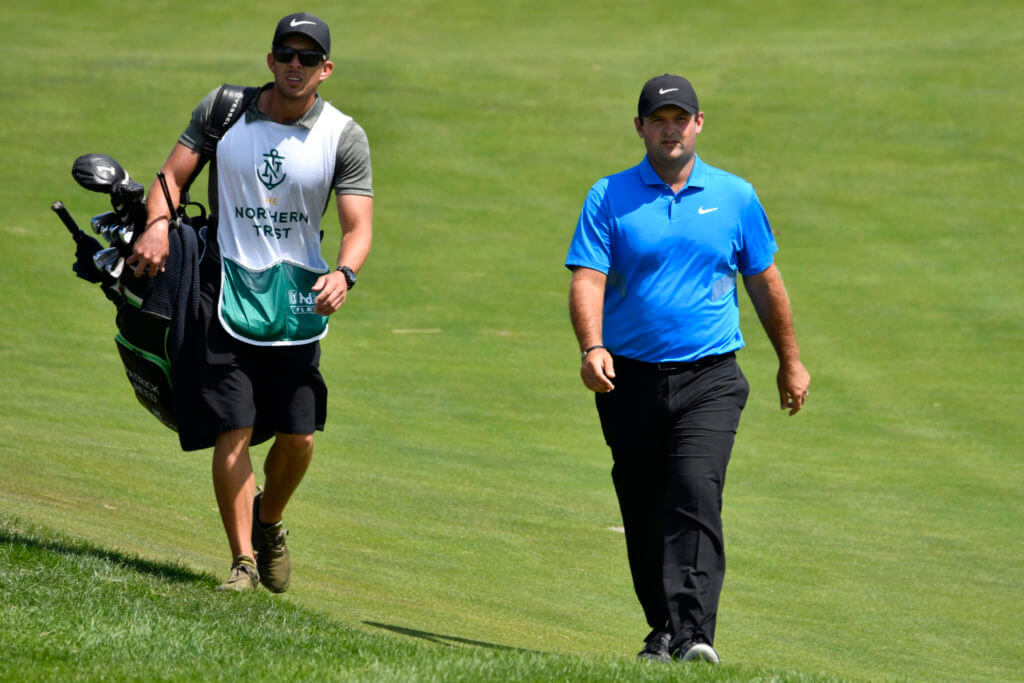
column 244, row 575
column 272, row 558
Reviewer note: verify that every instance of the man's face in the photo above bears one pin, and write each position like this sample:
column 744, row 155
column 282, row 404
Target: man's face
column 292, row 79
column 670, row 135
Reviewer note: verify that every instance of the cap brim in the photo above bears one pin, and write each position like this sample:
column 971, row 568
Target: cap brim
column 685, row 106
column 280, row 39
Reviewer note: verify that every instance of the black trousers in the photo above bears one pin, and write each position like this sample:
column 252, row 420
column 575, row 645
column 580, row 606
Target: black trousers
column 671, row 428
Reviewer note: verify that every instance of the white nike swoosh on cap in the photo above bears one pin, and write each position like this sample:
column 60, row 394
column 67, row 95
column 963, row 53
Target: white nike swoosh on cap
column 662, row 92
column 294, row 23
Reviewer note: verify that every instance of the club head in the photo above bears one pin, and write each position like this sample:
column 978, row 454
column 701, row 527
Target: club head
column 126, row 199
column 125, row 234
column 105, row 224
column 108, row 260
column 98, row 172
column 126, row 190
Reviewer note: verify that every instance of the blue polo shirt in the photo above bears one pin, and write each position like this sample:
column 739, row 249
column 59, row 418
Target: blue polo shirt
column 671, row 259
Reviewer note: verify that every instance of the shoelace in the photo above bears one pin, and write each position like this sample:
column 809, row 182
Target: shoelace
column 277, row 540
column 239, row 569
column 657, row 640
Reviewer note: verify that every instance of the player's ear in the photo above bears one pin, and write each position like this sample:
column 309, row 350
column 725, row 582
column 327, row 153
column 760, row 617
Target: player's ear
column 639, row 124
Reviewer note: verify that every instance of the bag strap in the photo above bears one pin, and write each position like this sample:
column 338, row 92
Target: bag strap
column 229, row 104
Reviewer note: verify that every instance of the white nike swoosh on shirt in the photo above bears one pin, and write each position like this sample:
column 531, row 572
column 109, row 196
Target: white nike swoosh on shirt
column 662, row 92
column 294, row 23
column 703, row 211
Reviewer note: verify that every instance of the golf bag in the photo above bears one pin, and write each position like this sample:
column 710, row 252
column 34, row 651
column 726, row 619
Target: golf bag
column 153, row 314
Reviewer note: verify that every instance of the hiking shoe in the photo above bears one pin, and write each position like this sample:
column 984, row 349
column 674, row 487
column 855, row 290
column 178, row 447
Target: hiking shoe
column 272, row 558
column 656, row 647
column 701, row 652
column 244, row 575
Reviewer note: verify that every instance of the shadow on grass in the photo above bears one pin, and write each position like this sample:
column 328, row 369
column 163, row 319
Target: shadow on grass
column 448, row 641
column 10, row 534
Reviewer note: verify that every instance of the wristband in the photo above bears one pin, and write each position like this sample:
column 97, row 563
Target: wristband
column 589, row 349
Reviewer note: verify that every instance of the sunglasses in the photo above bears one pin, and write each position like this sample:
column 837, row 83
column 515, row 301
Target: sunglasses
column 285, row 55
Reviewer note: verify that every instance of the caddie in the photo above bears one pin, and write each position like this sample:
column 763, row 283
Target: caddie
column 266, row 291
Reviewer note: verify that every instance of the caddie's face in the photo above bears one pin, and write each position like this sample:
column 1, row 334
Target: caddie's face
column 670, row 135
column 292, row 79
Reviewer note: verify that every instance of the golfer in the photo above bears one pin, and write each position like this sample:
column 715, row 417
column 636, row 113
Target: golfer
column 266, row 291
column 654, row 306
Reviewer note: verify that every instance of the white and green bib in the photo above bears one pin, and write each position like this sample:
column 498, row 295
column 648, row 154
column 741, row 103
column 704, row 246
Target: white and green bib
column 273, row 184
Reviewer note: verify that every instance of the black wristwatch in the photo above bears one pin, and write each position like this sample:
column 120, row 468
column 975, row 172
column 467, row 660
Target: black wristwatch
column 350, row 276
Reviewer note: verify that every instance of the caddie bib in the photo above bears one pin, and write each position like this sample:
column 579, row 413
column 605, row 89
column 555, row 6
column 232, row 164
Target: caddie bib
column 274, row 183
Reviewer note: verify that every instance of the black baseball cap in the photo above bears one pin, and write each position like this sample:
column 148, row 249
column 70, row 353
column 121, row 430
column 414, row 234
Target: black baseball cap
column 304, row 24
column 664, row 90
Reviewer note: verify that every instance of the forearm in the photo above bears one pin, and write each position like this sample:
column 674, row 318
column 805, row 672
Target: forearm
column 179, row 165
column 771, row 301
column 586, row 310
column 157, row 212
column 355, row 248
column 151, row 248
column 586, row 306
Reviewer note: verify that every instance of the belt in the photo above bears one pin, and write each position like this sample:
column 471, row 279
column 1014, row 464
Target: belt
column 675, row 365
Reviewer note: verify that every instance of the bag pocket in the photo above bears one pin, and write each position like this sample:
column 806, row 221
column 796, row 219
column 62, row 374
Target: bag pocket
column 148, row 372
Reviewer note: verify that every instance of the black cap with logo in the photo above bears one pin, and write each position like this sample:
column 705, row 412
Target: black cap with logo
column 304, row 24
column 664, row 90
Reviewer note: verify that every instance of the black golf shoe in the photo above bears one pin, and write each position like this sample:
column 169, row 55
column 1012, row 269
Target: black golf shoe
column 656, row 647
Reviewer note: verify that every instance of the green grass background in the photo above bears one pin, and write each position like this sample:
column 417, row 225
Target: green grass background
column 461, row 493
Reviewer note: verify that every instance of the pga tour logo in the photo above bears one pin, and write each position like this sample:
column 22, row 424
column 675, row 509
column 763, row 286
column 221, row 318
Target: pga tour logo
column 301, row 302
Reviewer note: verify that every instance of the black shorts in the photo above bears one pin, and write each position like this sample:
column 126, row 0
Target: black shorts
column 269, row 388
column 222, row 383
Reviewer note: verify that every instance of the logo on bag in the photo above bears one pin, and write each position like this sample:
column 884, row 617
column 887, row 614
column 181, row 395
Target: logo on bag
column 143, row 387
column 270, row 173
column 301, row 302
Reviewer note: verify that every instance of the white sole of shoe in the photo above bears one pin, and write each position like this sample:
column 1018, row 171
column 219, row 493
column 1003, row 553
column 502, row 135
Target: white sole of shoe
column 701, row 652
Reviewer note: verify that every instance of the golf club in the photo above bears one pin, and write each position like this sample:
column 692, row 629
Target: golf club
column 108, row 260
column 97, row 172
column 126, row 199
column 102, row 223
column 125, row 234
column 69, row 222
column 85, row 247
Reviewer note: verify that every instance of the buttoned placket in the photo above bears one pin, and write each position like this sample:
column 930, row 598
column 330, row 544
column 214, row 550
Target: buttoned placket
column 675, row 210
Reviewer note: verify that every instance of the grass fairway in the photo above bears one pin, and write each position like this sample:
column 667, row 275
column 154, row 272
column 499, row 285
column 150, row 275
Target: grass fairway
column 125, row 618
column 458, row 509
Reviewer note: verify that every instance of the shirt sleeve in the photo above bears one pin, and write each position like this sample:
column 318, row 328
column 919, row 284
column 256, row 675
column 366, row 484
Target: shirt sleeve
column 353, row 173
column 759, row 247
column 192, row 137
column 591, row 243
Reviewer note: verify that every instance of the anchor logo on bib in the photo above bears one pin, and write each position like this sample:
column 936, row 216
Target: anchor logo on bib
column 270, row 173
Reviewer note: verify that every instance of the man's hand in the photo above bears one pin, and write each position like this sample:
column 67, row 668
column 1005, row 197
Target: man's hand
column 794, row 381
column 333, row 289
column 150, row 251
column 598, row 371
column 149, row 255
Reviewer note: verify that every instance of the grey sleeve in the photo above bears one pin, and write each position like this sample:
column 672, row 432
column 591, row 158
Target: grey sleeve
column 352, row 171
column 193, row 135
